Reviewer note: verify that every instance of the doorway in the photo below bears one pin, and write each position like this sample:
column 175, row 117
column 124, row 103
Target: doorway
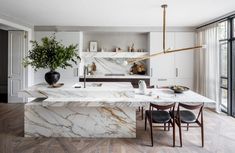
column 3, row 66
column 13, row 46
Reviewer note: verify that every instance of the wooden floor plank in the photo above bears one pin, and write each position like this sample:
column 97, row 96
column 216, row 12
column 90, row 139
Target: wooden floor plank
column 219, row 137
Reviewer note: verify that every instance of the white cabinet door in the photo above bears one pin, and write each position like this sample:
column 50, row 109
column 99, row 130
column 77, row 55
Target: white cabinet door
column 162, row 66
column 184, row 61
column 16, row 45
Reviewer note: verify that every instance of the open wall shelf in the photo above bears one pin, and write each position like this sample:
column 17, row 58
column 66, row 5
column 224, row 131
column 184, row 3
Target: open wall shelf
column 113, row 54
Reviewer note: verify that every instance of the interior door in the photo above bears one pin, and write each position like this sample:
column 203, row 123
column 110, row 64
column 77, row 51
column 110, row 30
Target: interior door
column 16, row 44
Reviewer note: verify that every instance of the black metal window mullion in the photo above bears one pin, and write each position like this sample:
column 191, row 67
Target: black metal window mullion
column 224, row 41
column 232, row 69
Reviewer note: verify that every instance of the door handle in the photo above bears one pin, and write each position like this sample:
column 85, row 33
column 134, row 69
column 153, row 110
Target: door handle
column 9, row 77
column 176, row 72
column 162, row 79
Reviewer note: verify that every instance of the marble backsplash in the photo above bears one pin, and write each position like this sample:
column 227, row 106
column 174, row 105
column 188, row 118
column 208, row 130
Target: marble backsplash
column 109, row 65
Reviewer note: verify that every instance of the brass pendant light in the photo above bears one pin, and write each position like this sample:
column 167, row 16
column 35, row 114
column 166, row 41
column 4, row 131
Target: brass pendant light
column 164, row 51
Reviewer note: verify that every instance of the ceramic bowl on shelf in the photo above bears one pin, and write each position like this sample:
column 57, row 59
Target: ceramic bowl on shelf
column 179, row 89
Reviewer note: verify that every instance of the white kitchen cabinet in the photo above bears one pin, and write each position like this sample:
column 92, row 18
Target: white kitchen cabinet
column 184, row 60
column 173, row 68
column 161, row 67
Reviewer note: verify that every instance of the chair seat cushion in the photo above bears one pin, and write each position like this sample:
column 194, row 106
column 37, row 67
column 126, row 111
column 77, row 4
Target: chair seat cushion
column 159, row 116
column 185, row 116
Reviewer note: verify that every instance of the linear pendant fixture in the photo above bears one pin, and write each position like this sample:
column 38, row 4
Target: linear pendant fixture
column 164, row 50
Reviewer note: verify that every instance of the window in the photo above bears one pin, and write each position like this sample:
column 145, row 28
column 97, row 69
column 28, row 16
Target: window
column 233, row 28
column 224, row 57
column 223, row 42
column 223, row 32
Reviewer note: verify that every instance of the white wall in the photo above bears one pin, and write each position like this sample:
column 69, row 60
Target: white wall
column 112, row 40
column 66, row 38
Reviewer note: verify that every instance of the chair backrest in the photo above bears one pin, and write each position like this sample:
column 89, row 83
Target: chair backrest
column 162, row 107
column 191, row 107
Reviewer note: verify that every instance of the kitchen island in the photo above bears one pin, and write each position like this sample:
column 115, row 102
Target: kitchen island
column 106, row 109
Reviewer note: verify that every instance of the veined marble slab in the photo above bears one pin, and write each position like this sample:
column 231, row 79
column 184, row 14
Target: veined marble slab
column 107, row 111
column 92, row 90
column 110, row 65
column 152, row 96
column 126, row 76
column 69, row 121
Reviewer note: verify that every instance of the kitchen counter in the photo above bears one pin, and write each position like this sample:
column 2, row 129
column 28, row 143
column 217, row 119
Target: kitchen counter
column 108, row 110
column 119, row 76
column 92, row 90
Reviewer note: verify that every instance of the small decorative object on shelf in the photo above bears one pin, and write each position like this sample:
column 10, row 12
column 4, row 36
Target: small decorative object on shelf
column 93, row 66
column 138, row 69
column 131, row 48
column 93, row 46
column 179, row 89
column 118, row 49
column 51, row 54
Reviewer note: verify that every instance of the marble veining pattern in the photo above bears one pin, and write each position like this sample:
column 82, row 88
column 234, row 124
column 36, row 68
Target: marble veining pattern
column 106, row 111
column 109, row 65
column 79, row 121
column 156, row 96
column 109, row 90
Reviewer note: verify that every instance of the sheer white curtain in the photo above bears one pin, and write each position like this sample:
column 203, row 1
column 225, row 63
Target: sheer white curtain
column 207, row 75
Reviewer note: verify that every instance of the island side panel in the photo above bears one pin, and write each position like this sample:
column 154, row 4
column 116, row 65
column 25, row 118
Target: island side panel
column 92, row 122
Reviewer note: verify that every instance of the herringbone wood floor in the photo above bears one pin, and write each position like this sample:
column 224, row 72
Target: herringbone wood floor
column 219, row 138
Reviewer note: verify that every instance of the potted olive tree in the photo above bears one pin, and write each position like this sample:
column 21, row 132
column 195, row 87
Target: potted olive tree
column 51, row 54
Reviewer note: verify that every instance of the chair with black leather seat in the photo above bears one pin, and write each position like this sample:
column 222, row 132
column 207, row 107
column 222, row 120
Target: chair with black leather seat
column 141, row 109
column 187, row 117
column 159, row 114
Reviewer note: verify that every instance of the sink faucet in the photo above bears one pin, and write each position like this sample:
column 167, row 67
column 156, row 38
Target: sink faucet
column 85, row 72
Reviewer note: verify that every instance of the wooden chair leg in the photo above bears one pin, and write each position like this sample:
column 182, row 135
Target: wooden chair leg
column 180, row 133
column 145, row 125
column 173, row 126
column 164, row 126
column 187, row 126
column 169, row 126
column 202, row 134
column 139, row 109
column 142, row 113
column 151, row 132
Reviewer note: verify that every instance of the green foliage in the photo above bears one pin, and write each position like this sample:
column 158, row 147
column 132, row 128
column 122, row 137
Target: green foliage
column 51, row 54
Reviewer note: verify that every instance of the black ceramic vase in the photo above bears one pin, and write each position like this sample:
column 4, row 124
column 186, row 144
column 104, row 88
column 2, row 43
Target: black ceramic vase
column 52, row 77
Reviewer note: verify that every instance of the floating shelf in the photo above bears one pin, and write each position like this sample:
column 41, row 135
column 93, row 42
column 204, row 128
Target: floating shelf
column 113, row 54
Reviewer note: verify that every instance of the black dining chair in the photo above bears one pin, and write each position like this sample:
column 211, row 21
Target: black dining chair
column 141, row 108
column 160, row 114
column 185, row 115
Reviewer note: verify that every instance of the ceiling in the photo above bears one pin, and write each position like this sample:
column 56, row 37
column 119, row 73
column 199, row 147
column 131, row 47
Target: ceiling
column 7, row 28
column 115, row 12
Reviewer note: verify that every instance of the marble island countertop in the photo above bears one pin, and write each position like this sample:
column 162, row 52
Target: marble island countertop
column 126, row 76
column 108, row 94
column 153, row 95
column 92, row 90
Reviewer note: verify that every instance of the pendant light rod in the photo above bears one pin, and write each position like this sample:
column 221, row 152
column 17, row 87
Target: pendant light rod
column 131, row 61
column 164, row 6
column 164, row 51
